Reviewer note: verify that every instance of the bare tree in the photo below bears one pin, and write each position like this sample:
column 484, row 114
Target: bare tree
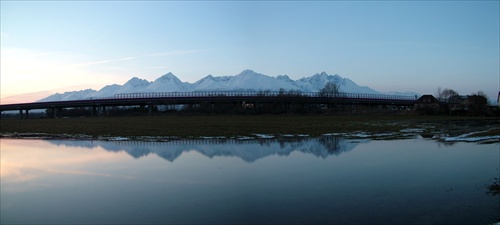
column 481, row 93
column 446, row 94
column 282, row 92
column 439, row 93
column 330, row 89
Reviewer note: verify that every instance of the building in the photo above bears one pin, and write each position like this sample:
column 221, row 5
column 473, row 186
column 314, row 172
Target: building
column 477, row 105
column 427, row 104
column 468, row 105
column 456, row 105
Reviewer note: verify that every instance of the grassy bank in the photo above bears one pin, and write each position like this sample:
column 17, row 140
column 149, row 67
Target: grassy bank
column 224, row 125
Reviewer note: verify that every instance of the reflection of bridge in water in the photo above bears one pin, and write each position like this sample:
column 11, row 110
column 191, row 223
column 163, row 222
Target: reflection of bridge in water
column 153, row 141
column 255, row 98
column 247, row 150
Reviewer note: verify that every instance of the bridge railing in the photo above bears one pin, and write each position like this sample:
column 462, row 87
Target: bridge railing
column 259, row 93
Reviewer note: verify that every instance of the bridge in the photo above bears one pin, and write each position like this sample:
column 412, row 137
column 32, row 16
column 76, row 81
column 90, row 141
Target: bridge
column 254, row 98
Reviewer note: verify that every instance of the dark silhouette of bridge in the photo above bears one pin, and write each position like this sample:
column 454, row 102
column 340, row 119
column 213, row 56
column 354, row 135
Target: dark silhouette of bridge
column 254, row 98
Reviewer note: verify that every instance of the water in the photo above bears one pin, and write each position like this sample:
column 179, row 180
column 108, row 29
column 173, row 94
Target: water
column 314, row 180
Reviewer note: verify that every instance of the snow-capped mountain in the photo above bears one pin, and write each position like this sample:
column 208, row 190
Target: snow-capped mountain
column 211, row 83
column 108, row 90
column 166, row 83
column 70, row 95
column 134, row 85
column 247, row 80
column 318, row 81
column 286, row 79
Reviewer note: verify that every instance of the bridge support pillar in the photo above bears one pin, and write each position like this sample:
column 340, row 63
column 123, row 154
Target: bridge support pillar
column 150, row 109
column 98, row 110
column 20, row 114
column 27, row 113
column 57, row 112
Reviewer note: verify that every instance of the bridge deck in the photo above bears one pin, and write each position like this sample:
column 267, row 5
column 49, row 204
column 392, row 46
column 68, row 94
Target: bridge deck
column 172, row 98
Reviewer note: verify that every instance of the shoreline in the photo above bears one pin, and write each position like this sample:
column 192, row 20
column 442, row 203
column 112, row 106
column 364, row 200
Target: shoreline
column 165, row 128
column 389, row 136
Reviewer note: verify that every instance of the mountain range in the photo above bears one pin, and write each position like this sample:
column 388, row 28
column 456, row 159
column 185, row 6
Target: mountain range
column 247, row 80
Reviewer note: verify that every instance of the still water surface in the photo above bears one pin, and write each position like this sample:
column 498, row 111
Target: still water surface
column 327, row 180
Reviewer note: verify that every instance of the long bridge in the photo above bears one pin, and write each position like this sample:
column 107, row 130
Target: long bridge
column 98, row 105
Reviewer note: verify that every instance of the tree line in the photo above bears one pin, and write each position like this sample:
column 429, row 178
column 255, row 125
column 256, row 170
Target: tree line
column 447, row 95
column 452, row 103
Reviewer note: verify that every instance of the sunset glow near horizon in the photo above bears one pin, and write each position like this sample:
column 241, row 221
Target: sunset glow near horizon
column 49, row 47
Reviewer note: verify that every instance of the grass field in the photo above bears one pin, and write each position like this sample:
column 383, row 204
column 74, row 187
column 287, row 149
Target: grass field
column 226, row 125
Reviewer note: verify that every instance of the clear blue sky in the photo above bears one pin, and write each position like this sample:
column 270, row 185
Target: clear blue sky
column 388, row 45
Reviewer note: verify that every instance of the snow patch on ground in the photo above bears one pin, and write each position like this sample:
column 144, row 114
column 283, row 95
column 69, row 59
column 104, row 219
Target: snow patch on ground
column 412, row 130
column 118, row 139
column 469, row 137
column 244, row 138
column 384, row 135
column 360, row 135
column 334, row 134
column 264, row 136
column 212, row 137
column 466, row 138
column 419, row 133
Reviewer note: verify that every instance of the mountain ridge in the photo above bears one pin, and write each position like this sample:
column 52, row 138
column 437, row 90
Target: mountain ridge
column 247, row 80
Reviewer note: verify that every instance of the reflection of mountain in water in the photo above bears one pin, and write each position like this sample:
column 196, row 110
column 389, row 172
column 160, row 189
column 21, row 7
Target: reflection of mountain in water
column 249, row 150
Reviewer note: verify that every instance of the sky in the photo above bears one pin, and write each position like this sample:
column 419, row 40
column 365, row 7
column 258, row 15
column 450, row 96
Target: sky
column 418, row 46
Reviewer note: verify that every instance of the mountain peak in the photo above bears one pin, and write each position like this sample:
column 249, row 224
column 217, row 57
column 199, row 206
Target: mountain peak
column 136, row 80
column 166, row 83
column 167, row 77
column 283, row 77
column 247, row 72
column 133, row 85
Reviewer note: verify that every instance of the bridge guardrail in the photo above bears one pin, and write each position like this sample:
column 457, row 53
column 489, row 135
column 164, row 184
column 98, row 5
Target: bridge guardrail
column 257, row 94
